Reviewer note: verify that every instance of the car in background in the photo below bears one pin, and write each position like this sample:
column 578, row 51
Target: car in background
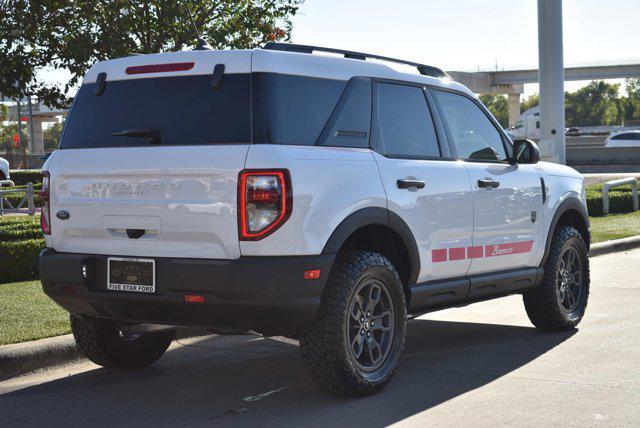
column 623, row 139
column 4, row 169
column 572, row 132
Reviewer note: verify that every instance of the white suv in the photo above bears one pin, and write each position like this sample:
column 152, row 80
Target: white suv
column 325, row 198
column 4, row 169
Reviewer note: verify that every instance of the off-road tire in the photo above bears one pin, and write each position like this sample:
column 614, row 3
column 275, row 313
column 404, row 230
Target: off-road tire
column 99, row 341
column 325, row 345
column 542, row 303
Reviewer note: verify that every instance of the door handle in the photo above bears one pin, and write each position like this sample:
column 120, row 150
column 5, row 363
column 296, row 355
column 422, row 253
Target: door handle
column 407, row 183
column 488, row 184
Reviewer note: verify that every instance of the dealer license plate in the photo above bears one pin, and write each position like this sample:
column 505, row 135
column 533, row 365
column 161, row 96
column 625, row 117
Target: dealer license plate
column 133, row 275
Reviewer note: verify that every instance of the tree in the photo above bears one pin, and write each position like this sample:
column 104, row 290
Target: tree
column 630, row 105
column 497, row 105
column 531, row 102
column 51, row 136
column 72, row 35
column 596, row 104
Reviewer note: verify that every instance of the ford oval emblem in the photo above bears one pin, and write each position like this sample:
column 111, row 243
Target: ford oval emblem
column 63, row 215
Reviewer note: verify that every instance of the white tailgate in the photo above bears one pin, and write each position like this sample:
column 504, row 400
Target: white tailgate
column 183, row 197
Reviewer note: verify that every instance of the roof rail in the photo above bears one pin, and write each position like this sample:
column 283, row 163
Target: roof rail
column 425, row 70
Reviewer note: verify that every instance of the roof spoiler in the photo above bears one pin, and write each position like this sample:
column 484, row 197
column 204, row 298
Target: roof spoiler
column 425, row 70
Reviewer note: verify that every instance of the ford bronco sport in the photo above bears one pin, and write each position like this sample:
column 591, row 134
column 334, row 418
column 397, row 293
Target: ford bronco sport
column 325, row 197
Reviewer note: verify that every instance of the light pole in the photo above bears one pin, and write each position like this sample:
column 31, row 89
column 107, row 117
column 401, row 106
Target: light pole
column 551, row 68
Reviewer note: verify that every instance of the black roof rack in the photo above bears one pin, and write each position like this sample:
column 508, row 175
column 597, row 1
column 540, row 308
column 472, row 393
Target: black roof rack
column 425, row 70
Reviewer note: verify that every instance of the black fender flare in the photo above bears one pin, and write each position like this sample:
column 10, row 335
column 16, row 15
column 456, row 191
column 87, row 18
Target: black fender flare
column 570, row 203
column 376, row 216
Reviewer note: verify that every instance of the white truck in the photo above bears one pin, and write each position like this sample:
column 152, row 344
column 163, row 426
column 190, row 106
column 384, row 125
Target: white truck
column 323, row 198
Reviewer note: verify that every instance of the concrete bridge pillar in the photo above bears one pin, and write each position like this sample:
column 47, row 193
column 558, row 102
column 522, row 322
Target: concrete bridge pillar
column 37, row 137
column 513, row 104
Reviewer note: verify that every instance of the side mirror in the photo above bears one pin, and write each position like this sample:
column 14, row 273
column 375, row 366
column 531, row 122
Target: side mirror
column 526, row 151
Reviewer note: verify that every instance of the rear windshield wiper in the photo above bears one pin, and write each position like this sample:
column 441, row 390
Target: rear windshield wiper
column 152, row 134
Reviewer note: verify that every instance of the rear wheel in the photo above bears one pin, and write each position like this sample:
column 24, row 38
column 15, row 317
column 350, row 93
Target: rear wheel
column 354, row 345
column 104, row 343
column 560, row 301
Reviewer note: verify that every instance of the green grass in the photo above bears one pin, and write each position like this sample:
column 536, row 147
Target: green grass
column 614, row 226
column 26, row 313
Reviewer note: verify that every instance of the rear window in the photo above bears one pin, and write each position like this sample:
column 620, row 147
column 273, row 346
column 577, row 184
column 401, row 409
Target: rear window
column 279, row 108
column 185, row 111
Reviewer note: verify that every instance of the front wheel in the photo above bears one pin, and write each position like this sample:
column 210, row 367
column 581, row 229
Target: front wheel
column 104, row 343
column 354, row 345
column 559, row 302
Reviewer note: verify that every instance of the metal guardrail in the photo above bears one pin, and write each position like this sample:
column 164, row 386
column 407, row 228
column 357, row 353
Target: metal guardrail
column 26, row 204
column 617, row 183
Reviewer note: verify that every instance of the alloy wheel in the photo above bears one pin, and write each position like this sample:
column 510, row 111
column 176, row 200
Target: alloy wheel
column 370, row 327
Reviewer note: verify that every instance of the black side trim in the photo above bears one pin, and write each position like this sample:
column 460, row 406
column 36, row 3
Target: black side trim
column 566, row 205
column 438, row 294
column 502, row 283
column 544, row 190
column 431, row 296
column 376, row 216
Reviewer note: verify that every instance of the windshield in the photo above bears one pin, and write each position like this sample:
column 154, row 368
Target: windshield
column 179, row 110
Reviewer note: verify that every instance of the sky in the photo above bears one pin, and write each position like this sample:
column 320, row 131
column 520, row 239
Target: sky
column 467, row 35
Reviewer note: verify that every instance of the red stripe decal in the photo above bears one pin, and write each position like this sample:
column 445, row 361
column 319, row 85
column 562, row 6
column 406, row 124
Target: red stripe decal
column 508, row 249
column 478, row 251
column 456, row 253
column 475, row 252
column 439, row 255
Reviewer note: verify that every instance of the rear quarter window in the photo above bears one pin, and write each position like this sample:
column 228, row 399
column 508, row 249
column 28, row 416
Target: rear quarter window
column 292, row 109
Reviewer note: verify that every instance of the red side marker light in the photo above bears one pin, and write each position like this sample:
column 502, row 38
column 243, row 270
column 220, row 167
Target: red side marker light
column 193, row 298
column 312, row 274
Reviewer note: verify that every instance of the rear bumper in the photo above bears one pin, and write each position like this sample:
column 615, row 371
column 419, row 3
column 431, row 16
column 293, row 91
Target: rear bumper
column 264, row 294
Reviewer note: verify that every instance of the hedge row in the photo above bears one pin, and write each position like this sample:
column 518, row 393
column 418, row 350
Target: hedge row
column 19, row 234
column 620, row 200
column 20, row 244
column 19, row 259
column 23, row 176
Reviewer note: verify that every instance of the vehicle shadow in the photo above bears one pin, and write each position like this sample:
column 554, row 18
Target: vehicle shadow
column 249, row 381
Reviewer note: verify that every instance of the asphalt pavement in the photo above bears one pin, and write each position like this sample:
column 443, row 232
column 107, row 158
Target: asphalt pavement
column 481, row 365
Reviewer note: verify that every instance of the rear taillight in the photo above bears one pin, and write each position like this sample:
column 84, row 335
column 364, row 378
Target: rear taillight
column 45, row 215
column 265, row 202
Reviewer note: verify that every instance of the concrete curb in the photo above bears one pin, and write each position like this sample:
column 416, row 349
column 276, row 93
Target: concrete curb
column 614, row 245
column 22, row 358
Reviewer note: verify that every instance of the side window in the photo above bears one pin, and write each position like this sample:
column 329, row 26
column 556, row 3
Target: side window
column 405, row 124
column 473, row 134
column 292, row 109
column 350, row 121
